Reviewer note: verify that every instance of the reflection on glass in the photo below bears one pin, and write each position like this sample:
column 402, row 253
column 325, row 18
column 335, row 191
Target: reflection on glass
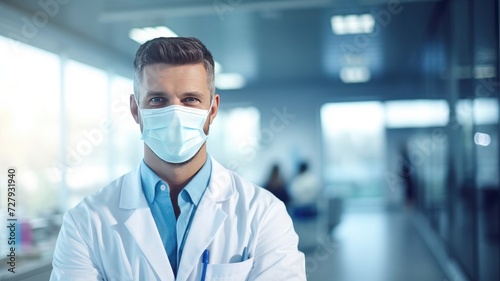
column 482, row 139
column 482, row 110
column 485, row 111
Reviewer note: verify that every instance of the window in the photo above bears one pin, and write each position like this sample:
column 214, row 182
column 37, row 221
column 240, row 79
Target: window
column 86, row 96
column 416, row 113
column 125, row 146
column 64, row 144
column 353, row 140
column 234, row 137
column 30, row 122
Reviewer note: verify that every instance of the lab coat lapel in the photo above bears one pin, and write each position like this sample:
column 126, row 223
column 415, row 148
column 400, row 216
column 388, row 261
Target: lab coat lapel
column 208, row 218
column 142, row 227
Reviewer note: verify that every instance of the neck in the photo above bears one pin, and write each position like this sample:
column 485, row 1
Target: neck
column 176, row 176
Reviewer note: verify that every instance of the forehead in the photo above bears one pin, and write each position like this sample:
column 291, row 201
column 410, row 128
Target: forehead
column 175, row 77
column 169, row 71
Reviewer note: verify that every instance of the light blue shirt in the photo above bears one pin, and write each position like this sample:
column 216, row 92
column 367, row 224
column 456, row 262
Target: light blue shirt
column 173, row 232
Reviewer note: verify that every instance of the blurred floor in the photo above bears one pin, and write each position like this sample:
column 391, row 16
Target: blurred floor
column 369, row 245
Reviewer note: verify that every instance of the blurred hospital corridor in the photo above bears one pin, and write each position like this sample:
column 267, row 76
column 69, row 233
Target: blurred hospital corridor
column 375, row 122
column 371, row 244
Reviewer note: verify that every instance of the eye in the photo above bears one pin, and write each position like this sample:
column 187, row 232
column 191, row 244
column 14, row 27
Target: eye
column 156, row 100
column 190, row 100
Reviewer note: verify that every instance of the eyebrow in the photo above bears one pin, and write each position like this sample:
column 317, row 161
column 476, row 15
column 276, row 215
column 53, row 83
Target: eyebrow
column 196, row 94
column 165, row 94
column 155, row 93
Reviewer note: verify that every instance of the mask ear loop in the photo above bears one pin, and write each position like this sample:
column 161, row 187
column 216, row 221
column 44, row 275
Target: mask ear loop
column 139, row 112
column 136, row 99
column 209, row 110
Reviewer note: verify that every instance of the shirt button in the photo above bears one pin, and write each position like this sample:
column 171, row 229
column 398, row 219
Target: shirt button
column 163, row 187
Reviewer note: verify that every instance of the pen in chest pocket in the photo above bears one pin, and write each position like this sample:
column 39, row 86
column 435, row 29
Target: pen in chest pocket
column 205, row 265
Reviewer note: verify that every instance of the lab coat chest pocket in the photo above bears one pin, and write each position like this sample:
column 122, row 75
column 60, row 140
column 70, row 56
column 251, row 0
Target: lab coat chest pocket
column 229, row 271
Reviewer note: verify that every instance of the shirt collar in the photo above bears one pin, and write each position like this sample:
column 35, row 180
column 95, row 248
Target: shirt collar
column 194, row 189
column 149, row 181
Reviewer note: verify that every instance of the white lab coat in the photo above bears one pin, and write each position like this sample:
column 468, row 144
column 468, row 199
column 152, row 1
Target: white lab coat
column 111, row 235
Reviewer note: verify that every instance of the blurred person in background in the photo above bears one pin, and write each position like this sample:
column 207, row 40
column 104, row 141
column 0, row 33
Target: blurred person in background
column 179, row 215
column 276, row 185
column 406, row 170
column 304, row 192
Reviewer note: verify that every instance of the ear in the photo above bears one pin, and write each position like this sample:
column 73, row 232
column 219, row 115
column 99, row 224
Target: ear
column 134, row 108
column 215, row 108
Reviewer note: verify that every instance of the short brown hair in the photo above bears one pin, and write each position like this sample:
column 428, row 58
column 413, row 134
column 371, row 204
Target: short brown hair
column 175, row 51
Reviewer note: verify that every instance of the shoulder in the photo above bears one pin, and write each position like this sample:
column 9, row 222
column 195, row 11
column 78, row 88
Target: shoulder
column 107, row 198
column 230, row 184
column 239, row 197
column 258, row 194
column 247, row 203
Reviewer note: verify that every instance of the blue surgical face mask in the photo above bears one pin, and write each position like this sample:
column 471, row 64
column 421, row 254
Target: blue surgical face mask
column 174, row 133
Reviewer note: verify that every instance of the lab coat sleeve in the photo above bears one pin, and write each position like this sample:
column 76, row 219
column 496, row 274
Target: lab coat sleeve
column 72, row 256
column 276, row 256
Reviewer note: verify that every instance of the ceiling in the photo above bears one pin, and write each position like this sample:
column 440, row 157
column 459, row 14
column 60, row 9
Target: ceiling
column 266, row 41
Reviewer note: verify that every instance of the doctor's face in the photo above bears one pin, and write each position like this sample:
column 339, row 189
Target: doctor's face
column 164, row 85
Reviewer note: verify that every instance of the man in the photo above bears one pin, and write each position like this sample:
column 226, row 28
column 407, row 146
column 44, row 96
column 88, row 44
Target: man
column 180, row 215
column 305, row 191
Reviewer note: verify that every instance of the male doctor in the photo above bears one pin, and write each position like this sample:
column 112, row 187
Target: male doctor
column 179, row 215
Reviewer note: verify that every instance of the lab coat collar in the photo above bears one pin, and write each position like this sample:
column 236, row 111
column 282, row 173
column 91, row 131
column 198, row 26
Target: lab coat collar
column 142, row 226
column 221, row 186
column 131, row 194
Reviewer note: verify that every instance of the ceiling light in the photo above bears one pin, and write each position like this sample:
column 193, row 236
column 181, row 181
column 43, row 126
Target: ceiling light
column 355, row 74
column 352, row 24
column 141, row 35
column 229, row 81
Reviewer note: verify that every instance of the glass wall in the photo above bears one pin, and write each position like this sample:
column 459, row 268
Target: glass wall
column 65, row 127
column 30, row 101
column 461, row 65
column 375, row 146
